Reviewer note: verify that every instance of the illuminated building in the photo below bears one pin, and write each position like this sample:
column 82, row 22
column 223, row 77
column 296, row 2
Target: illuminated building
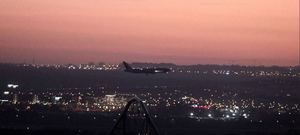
column 15, row 99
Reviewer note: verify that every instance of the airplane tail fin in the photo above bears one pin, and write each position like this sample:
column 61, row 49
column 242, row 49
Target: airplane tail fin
column 127, row 66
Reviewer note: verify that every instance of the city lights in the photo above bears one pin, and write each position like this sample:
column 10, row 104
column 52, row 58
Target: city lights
column 14, row 86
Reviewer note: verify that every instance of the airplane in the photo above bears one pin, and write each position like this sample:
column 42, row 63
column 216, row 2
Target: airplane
column 145, row 70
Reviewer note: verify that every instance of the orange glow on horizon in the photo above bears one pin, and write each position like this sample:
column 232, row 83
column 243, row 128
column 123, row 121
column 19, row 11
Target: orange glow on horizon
column 248, row 32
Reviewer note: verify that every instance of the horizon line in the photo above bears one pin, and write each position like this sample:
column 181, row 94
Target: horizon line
column 224, row 64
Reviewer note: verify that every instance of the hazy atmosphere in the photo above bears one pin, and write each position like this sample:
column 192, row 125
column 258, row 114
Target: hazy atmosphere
column 149, row 67
column 247, row 32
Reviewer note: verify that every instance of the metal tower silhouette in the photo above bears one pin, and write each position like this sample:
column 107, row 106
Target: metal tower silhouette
column 135, row 120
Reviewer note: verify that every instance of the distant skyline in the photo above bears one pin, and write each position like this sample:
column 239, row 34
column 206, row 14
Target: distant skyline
column 244, row 32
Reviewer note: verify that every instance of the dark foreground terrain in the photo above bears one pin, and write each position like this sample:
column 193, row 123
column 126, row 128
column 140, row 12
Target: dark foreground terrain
column 58, row 123
column 272, row 100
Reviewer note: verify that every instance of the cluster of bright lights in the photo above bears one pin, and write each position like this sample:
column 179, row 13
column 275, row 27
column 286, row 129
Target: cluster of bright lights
column 12, row 86
column 6, row 92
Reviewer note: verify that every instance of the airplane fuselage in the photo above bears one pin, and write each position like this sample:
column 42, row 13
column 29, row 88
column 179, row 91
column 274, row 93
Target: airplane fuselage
column 148, row 70
column 145, row 70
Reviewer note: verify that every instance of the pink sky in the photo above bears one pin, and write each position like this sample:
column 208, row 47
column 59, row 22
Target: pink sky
column 248, row 32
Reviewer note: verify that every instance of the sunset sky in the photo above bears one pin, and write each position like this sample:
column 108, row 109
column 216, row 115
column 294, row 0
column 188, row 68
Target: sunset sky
column 247, row 32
